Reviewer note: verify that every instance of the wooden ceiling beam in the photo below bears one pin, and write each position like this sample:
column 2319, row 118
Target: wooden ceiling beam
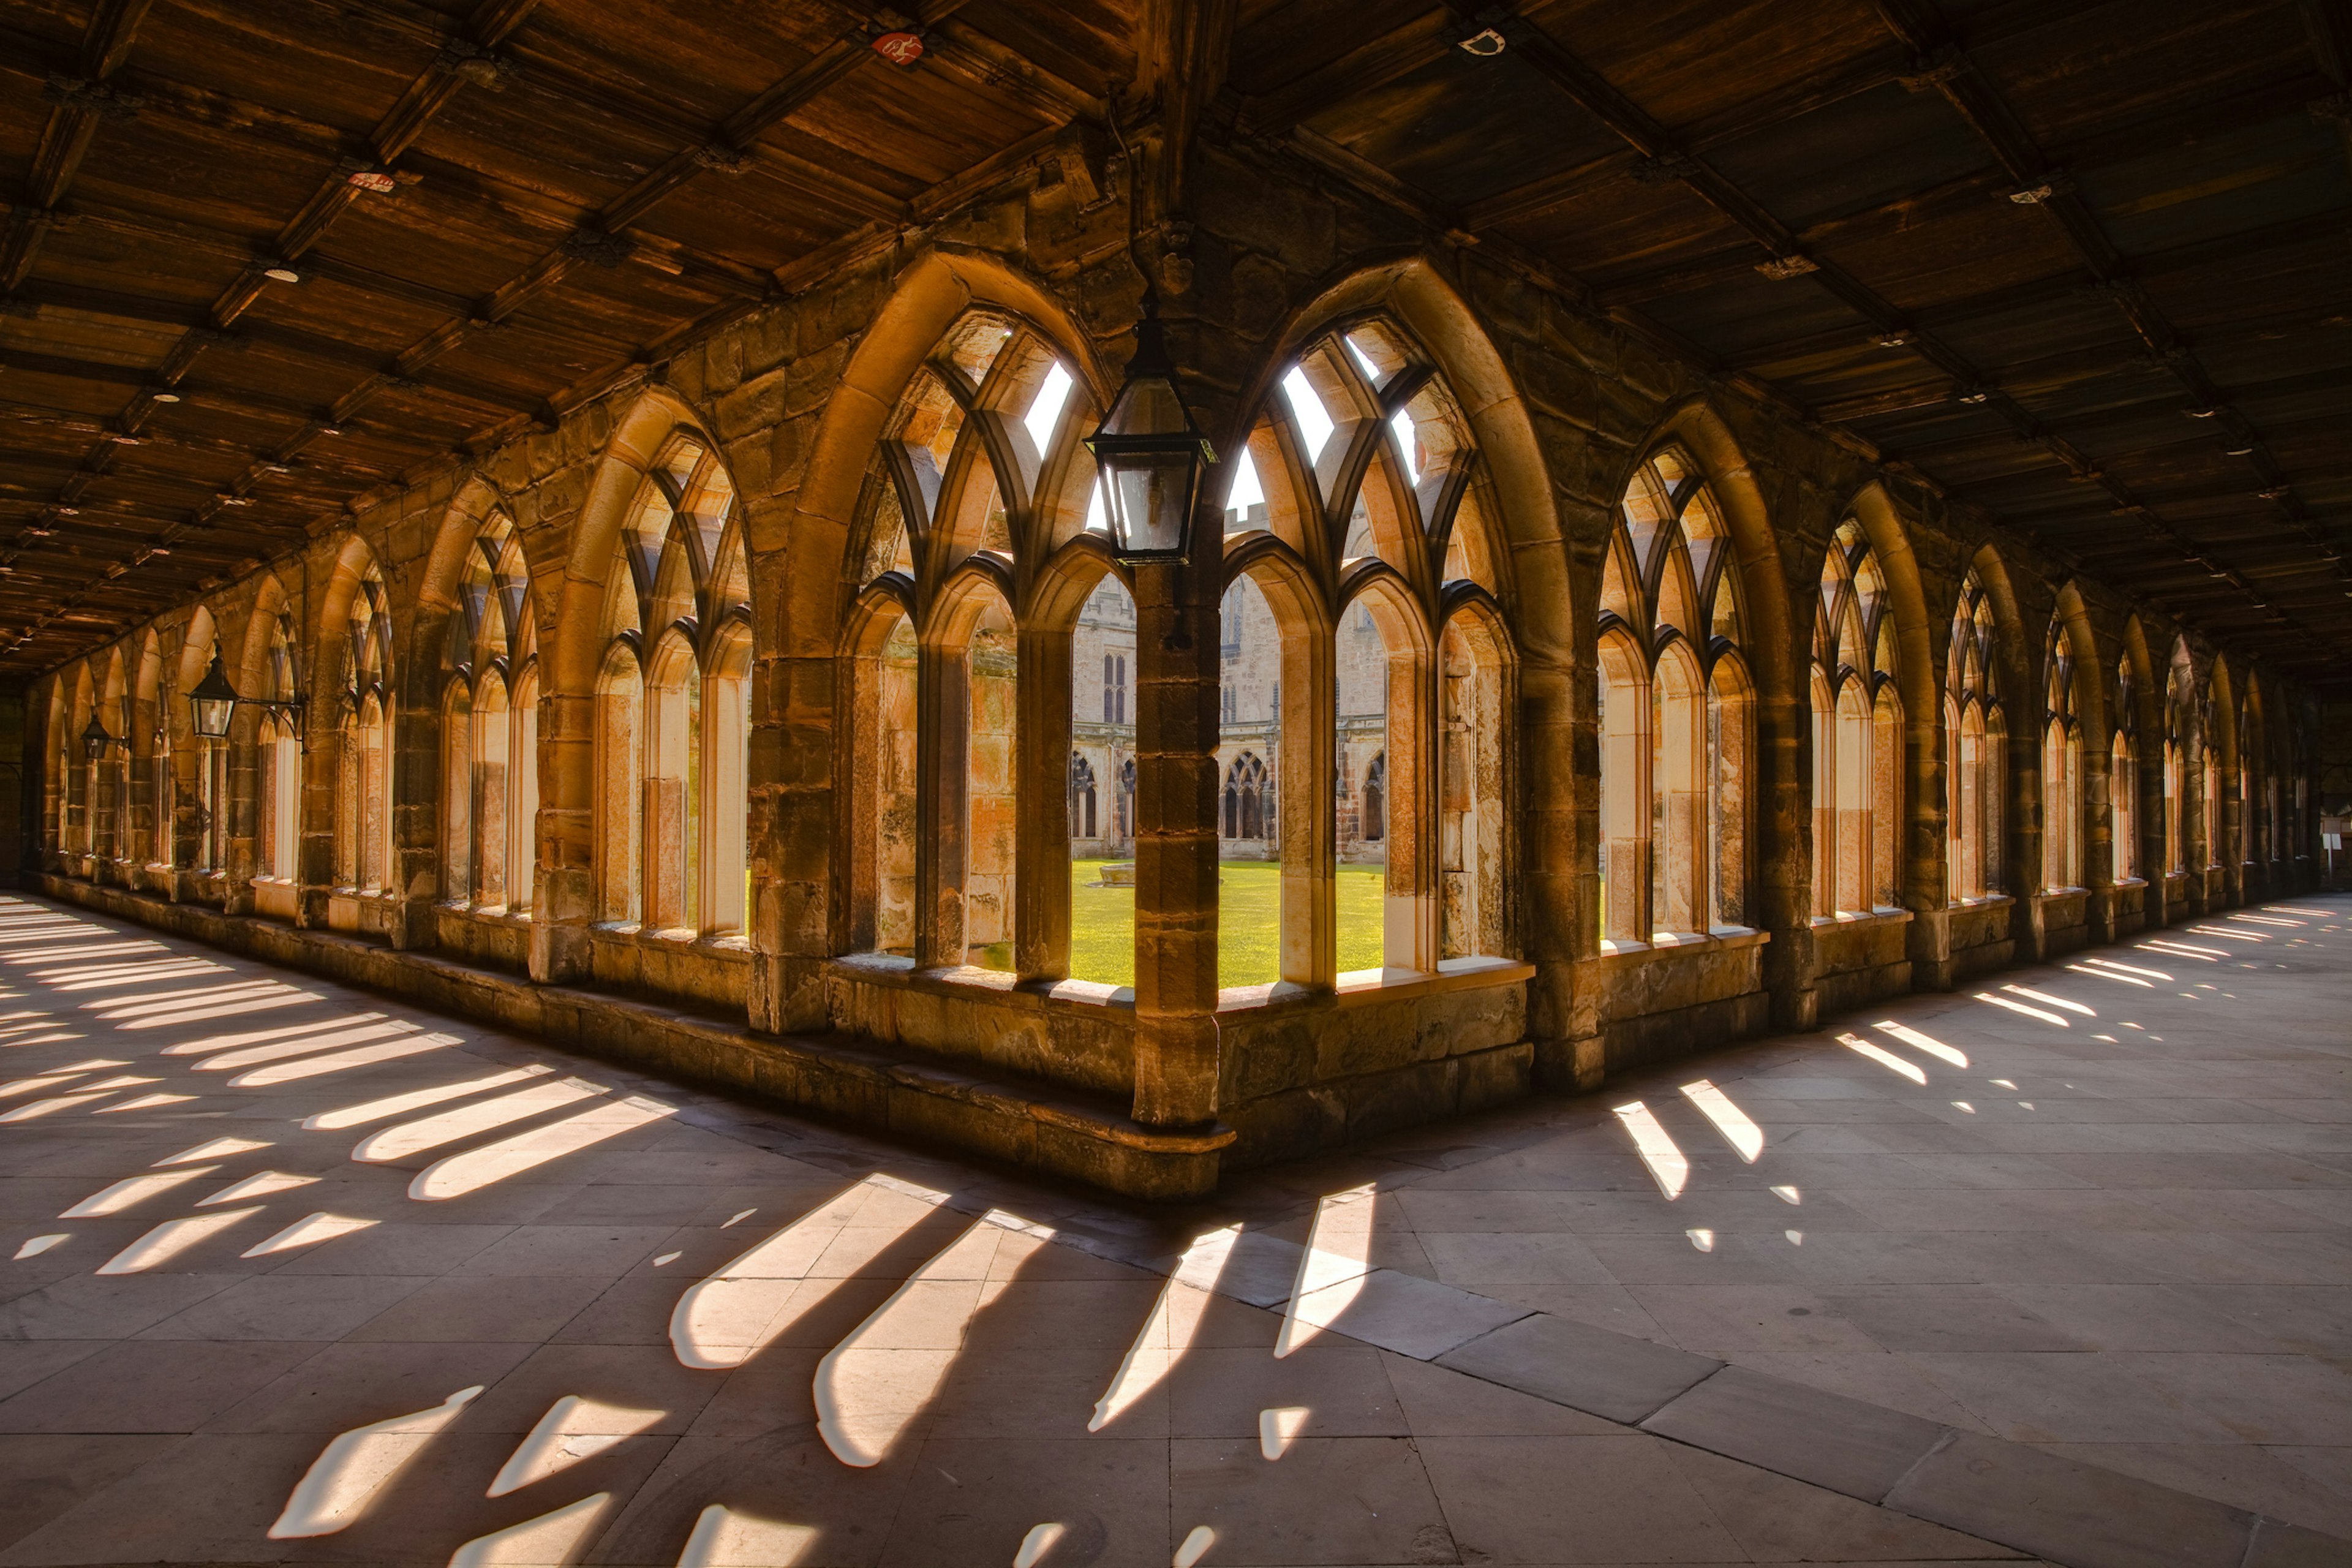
column 1369, row 67
column 81, row 101
column 1981, row 105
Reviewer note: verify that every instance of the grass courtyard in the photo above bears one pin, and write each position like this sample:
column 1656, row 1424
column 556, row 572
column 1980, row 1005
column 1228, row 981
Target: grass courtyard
column 1249, row 914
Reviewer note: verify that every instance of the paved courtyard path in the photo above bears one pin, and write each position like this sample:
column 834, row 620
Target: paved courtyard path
column 291, row 1273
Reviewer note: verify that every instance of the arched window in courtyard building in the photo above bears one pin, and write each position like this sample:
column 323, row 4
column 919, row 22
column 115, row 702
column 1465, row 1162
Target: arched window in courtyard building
column 1976, row 748
column 490, row 732
column 1114, row 707
column 278, row 765
column 1857, row 734
column 976, row 495
column 1248, row 798
column 1675, row 712
column 1082, row 797
column 362, row 774
column 2122, row 782
column 2062, row 768
column 1364, row 583
column 674, row 704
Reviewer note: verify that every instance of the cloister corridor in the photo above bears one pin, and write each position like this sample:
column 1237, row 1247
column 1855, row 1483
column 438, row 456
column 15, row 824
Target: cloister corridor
column 2057, row 1271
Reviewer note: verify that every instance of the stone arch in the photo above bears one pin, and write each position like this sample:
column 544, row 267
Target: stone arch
column 1700, row 429
column 1890, row 542
column 330, row 637
column 2082, row 643
column 270, row 600
column 1444, row 326
column 436, row 592
column 928, row 298
column 574, row 655
column 200, row 638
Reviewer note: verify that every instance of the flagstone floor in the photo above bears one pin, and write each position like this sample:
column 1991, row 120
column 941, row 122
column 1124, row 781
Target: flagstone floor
column 290, row 1273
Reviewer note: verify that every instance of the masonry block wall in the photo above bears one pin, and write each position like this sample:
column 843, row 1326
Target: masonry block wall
column 788, row 636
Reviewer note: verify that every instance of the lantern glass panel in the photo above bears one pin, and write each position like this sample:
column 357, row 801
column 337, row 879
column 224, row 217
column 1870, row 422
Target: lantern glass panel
column 211, row 715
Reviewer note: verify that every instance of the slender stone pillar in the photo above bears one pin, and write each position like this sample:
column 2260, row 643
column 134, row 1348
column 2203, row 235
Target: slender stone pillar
column 1928, row 774
column 2096, row 825
column 413, row 877
column 564, row 901
column 1784, row 838
column 1177, row 1059
column 1041, row 916
column 942, row 773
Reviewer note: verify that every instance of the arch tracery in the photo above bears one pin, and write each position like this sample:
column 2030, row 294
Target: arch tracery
column 1675, row 710
column 489, row 703
column 671, row 694
column 1977, row 746
column 1858, row 729
column 1362, row 559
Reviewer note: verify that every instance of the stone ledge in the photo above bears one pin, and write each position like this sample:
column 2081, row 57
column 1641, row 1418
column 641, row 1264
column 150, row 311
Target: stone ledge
column 1050, row 1129
column 1673, row 945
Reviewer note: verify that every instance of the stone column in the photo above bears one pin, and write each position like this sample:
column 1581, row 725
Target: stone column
column 565, row 901
column 2097, row 826
column 243, row 807
column 1041, row 914
column 1410, row 908
column 2024, row 860
column 1304, row 809
column 2233, row 850
column 797, row 865
column 942, row 769
column 1784, row 837
column 415, row 776
column 1928, row 773
column 322, row 766
column 2196, row 852
column 189, row 761
column 1177, row 1058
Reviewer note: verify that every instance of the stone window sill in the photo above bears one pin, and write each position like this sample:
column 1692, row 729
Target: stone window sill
column 2131, row 882
column 732, row 946
column 1359, row 987
column 1879, row 916
column 488, row 914
column 1668, row 946
column 2053, row 895
column 975, row 983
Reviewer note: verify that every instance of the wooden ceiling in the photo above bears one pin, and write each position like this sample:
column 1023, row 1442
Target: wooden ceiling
column 2088, row 266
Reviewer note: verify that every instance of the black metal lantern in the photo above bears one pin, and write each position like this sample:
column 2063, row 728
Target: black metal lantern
column 95, row 740
column 1150, row 454
column 213, row 701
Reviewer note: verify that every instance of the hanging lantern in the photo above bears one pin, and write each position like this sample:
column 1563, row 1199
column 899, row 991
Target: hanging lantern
column 213, row 701
column 1150, row 454
column 95, row 740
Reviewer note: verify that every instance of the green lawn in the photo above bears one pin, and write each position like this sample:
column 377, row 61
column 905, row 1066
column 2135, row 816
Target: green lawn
column 1249, row 907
